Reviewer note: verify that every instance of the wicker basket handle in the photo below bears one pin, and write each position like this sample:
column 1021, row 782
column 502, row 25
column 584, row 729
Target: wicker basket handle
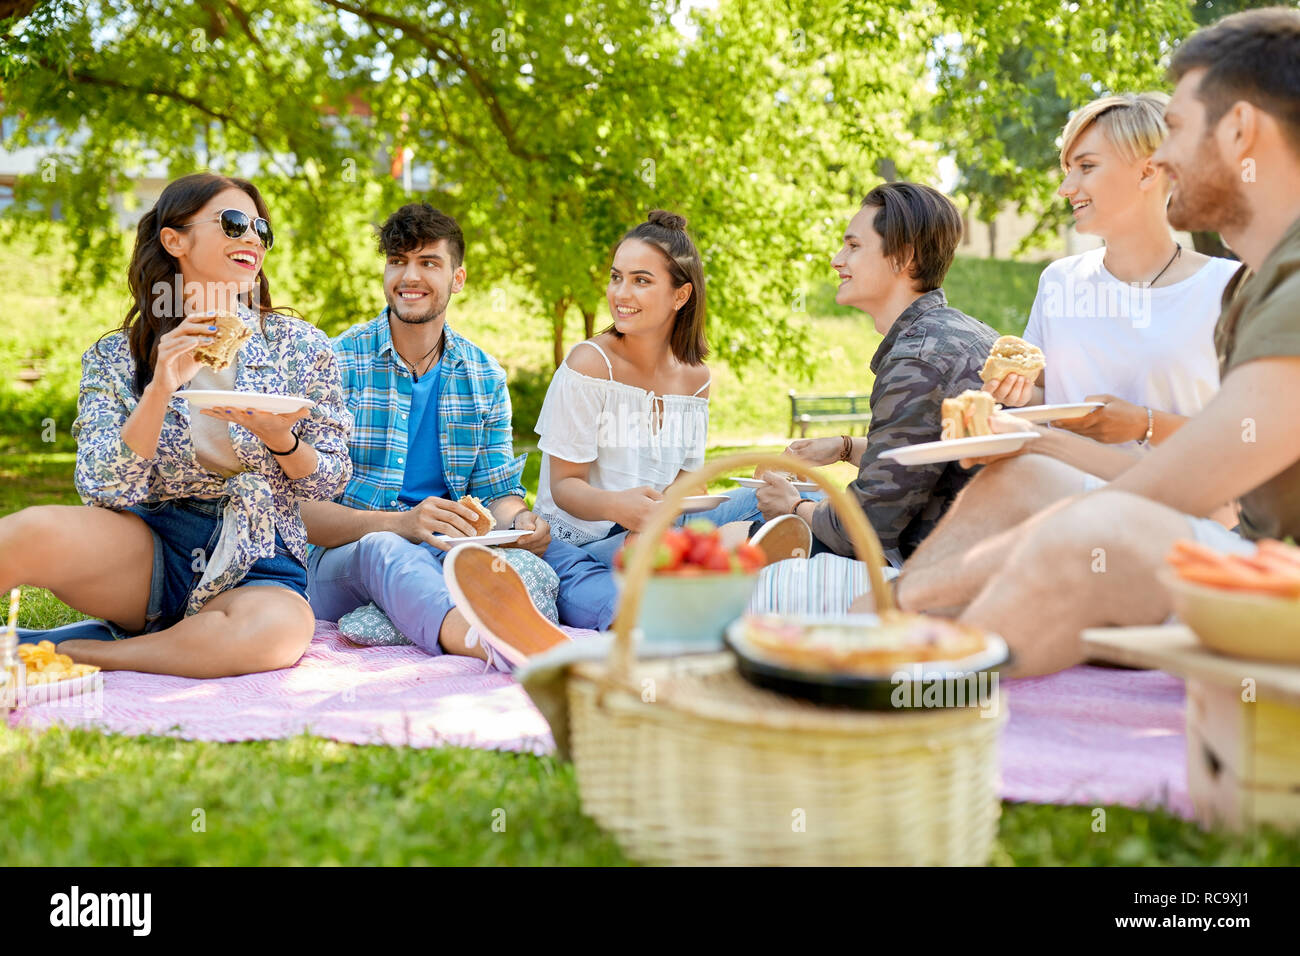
column 641, row 557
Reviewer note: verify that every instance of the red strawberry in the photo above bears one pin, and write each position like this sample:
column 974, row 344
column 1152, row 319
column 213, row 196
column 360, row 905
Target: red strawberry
column 719, row 560
column 750, row 556
column 666, row 558
column 700, row 551
column 677, row 540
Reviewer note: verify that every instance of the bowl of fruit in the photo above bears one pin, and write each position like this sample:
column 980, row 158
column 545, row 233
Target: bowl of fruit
column 696, row 588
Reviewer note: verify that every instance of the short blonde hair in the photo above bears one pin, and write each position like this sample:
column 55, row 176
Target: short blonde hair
column 1133, row 122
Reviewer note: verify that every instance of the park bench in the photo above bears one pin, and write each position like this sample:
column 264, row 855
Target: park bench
column 849, row 409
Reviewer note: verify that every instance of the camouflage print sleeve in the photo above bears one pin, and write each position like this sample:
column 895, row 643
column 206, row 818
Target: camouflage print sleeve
column 905, row 410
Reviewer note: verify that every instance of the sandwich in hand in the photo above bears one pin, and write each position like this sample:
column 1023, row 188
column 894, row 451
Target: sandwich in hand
column 484, row 522
column 1013, row 355
column 226, row 341
column 967, row 415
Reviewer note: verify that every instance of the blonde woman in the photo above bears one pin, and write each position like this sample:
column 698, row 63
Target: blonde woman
column 1130, row 324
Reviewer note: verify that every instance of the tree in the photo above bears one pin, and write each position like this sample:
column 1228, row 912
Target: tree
column 1010, row 74
column 552, row 129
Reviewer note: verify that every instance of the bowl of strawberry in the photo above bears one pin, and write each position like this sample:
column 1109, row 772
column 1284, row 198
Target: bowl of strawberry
column 697, row 586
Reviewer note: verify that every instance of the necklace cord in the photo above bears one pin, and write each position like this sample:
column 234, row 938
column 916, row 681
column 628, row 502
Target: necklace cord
column 1178, row 249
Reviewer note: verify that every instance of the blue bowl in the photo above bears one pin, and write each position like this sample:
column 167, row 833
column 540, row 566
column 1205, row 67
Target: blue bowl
column 689, row 614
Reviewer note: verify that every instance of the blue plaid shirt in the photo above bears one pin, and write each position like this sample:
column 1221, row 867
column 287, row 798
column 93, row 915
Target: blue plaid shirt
column 474, row 410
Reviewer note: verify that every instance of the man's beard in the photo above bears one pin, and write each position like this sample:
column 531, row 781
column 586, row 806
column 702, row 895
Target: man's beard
column 1208, row 195
column 438, row 307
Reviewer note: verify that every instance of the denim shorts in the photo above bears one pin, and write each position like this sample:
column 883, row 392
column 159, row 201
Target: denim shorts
column 185, row 533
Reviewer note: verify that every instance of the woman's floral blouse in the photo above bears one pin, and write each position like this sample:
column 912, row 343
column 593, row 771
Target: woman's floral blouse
column 293, row 358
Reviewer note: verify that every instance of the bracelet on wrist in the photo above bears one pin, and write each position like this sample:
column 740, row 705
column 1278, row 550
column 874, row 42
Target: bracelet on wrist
column 846, row 452
column 1151, row 428
column 281, row 454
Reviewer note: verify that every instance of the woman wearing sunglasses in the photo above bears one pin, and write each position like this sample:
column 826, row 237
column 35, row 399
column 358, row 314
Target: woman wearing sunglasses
column 193, row 554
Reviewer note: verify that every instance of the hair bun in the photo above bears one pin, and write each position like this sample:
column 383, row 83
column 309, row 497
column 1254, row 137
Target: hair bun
column 666, row 220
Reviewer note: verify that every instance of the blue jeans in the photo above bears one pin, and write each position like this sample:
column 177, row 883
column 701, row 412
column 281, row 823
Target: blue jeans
column 181, row 527
column 742, row 505
column 405, row 581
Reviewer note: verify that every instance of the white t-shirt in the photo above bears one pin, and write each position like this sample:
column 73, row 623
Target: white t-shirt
column 1152, row 347
column 615, row 427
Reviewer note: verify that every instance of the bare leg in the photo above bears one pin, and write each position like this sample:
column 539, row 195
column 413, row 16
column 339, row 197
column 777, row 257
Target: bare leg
column 97, row 561
column 245, row 630
column 733, row 533
column 1090, row 564
column 1004, row 494
column 994, row 511
column 948, row 586
column 452, row 636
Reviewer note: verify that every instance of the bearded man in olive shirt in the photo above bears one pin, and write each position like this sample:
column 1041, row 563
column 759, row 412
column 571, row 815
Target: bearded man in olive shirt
column 1233, row 154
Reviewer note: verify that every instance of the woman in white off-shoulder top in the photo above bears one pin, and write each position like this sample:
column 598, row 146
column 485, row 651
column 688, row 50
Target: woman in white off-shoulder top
column 627, row 412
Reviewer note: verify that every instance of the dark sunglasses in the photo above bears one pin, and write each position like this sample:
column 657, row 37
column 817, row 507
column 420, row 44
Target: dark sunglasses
column 235, row 223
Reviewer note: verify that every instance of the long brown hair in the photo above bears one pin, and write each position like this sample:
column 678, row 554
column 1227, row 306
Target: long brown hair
column 666, row 231
column 153, row 274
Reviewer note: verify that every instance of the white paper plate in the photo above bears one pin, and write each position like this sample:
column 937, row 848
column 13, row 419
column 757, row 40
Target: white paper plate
column 489, row 539
column 694, row 504
column 62, row 690
column 759, row 483
column 954, row 449
column 258, row 401
column 1053, row 413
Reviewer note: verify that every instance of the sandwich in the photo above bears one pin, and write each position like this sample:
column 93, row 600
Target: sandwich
column 967, row 415
column 1013, row 355
column 484, row 522
column 226, row 341
column 878, row 649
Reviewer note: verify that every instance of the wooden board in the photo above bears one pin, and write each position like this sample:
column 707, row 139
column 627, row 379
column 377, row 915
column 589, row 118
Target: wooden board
column 1175, row 649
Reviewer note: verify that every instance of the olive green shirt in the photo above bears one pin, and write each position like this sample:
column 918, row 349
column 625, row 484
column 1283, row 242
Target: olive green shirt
column 1261, row 319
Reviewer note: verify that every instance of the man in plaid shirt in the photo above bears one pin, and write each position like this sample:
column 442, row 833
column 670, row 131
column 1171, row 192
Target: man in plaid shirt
column 431, row 416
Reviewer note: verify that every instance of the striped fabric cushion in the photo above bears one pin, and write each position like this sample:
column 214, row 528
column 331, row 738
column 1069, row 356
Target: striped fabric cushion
column 822, row 584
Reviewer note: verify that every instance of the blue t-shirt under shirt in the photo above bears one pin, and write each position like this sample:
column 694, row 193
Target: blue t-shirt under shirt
column 423, row 477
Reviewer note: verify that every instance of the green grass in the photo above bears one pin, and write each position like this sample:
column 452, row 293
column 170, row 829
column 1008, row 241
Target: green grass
column 78, row 798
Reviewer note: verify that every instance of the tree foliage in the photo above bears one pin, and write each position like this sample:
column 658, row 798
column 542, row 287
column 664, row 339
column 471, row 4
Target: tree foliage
column 1010, row 74
column 551, row 128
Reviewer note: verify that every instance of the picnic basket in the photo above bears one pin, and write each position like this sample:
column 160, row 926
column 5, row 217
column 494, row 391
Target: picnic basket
column 687, row 763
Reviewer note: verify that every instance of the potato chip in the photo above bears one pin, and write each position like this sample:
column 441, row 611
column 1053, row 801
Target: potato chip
column 63, row 659
column 53, row 667
column 47, row 646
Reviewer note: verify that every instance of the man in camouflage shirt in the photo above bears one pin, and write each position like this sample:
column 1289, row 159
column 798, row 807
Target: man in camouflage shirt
column 896, row 252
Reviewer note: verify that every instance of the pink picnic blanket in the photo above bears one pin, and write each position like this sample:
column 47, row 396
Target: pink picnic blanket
column 1088, row 735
